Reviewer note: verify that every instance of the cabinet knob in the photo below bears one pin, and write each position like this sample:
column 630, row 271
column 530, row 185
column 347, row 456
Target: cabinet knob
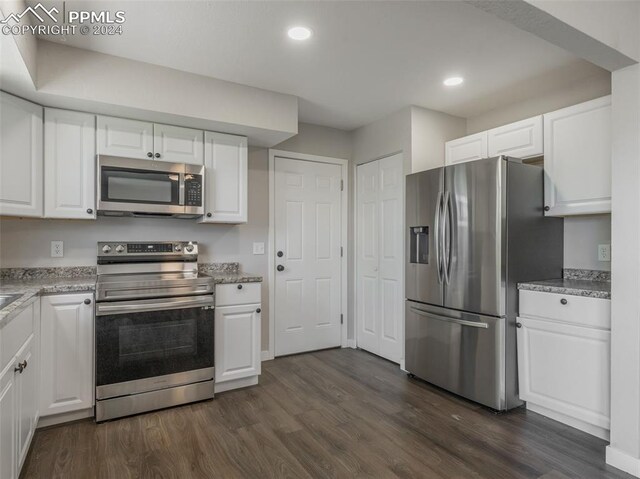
column 90, row 211
column 150, row 155
column 258, row 310
column 209, row 215
column 563, row 301
column 518, row 325
column 280, row 254
column 239, row 286
column 87, row 301
column 157, row 155
column 547, row 208
column 280, row 267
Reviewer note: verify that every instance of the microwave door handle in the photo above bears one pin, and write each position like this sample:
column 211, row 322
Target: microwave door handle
column 181, row 190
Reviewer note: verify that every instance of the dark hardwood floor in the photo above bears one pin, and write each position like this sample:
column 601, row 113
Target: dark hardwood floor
column 335, row 413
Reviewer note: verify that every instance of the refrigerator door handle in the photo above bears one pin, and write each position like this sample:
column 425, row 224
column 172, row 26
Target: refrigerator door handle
column 461, row 322
column 446, row 245
column 436, row 228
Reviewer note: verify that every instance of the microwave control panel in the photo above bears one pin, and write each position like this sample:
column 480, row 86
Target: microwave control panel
column 193, row 190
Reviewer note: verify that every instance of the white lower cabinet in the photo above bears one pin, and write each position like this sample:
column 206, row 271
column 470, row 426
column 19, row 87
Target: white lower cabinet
column 237, row 338
column 563, row 362
column 67, row 353
column 19, row 390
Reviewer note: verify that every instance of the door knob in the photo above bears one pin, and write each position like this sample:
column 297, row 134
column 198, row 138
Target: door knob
column 280, row 254
column 280, row 267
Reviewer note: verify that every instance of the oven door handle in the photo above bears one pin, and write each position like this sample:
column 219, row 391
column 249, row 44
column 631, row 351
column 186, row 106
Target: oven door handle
column 122, row 307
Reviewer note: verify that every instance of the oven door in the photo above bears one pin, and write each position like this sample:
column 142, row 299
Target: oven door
column 153, row 344
column 130, row 185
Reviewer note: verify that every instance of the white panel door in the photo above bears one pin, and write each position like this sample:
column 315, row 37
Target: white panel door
column 308, row 287
column 237, row 335
column 468, row 148
column 21, row 163
column 127, row 138
column 178, row 144
column 69, row 164
column 522, row 139
column 67, row 353
column 226, row 177
column 380, row 259
column 367, row 284
column 577, row 159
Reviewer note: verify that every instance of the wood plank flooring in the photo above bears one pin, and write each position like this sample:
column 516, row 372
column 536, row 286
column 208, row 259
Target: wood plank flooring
column 335, row 413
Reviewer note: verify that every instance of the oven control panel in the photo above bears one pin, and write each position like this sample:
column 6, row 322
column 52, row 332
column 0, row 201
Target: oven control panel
column 161, row 248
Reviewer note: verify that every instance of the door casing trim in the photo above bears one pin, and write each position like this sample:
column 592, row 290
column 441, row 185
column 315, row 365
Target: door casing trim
column 344, row 209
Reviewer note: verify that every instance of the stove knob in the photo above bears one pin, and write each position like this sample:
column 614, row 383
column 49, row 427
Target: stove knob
column 189, row 248
column 178, row 248
column 106, row 249
column 119, row 248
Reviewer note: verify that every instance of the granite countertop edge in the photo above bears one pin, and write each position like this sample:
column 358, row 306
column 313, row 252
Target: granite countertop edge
column 572, row 287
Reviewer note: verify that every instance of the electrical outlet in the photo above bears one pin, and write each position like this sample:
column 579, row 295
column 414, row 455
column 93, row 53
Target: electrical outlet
column 57, row 249
column 604, row 252
column 258, row 248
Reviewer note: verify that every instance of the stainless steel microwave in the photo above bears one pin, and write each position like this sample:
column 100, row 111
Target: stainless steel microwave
column 132, row 187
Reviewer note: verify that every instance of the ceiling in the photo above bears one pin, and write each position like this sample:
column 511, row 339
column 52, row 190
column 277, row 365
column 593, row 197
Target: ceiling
column 364, row 61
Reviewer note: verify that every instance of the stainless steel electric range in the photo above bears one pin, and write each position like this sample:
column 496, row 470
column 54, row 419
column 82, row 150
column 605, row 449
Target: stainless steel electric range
column 154, row 328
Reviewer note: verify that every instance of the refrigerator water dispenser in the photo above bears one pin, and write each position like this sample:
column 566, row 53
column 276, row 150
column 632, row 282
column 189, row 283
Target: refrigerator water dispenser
column 419, row 244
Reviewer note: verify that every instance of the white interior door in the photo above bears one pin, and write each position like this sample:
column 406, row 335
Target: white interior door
column 380, row 259
column 308, row 285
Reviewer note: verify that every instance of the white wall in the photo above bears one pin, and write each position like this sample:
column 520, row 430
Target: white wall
column 575, row 92
column 582, row 235
column 429, row 130
column 319, row 140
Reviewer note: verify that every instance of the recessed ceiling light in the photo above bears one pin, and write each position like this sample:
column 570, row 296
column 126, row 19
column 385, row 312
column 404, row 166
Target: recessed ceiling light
column 299, row 33
column 453, row 81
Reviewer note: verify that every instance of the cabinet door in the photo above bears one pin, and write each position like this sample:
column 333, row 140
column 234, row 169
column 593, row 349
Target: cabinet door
column 67, row 353
column 21, row 161
column 177, row 144
column 565, row 368
column 225, row 159
column 468, row 148
column 122, row 137
column 69, row 164
column 237, row 342
column 8, row 449
column 26, row 397
column 577, row 159
column 522, row 139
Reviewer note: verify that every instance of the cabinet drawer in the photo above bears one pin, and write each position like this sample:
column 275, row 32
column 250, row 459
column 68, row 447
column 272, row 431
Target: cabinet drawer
column 579, row 310
column 15, row 334
column 238, row 293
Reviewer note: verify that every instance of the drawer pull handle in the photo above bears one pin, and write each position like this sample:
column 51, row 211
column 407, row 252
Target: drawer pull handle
column 21, row 367
column 563, row 301
column 239, row 286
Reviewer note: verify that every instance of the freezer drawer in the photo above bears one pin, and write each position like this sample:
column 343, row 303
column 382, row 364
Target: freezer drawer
column 460, row 352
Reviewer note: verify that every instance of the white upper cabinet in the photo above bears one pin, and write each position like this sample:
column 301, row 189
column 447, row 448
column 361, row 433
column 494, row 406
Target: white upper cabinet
column 522, row 139
column 178, row 145
column 225, row 159
column 21, row 161
column 122, row 137
column 69, row 164
column 468, row 148
column 577, row 159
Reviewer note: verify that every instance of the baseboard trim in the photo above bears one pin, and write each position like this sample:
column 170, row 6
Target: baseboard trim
column 56, row 419
column 351, row 343
column 623, row 461
column 235, row 384
column 266, row 355
column 592, row 429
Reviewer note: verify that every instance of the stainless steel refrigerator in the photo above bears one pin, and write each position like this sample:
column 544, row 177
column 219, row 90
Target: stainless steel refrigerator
column 475, row 230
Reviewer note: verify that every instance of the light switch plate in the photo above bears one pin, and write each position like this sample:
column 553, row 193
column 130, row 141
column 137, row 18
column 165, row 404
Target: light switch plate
column 57, row 249
column 604, row 252
column 258, row 248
